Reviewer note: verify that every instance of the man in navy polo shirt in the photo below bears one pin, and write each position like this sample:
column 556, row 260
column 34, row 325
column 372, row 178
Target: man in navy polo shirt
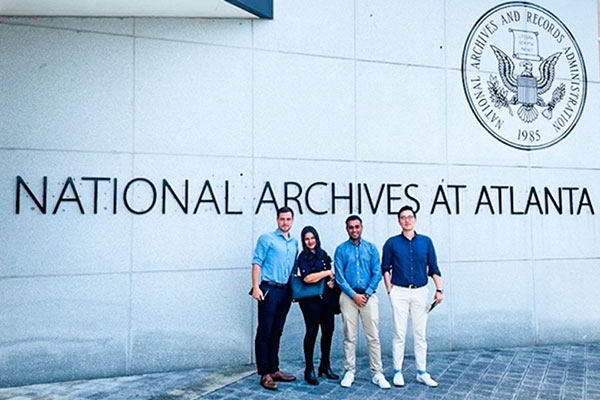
column 408, row 260
column 272, row 264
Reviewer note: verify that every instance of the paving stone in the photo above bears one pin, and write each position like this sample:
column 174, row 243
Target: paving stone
column 549, row 395
column 568, row 372
column 479, row 392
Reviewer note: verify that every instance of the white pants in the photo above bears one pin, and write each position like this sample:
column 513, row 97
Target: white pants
column 369, row 315
column 414, row 302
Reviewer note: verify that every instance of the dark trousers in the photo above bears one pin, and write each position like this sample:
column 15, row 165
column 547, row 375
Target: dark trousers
column 317, row 313
column 272, row 312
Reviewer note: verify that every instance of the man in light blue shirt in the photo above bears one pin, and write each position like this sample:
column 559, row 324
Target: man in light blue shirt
column 358, row 272
column 273, row 260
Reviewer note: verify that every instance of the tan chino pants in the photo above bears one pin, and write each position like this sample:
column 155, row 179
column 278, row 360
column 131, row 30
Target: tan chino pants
column 369, row 315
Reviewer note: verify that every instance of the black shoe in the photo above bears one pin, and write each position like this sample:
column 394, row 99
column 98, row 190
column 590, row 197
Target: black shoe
column 310, row 377
column 328, row 373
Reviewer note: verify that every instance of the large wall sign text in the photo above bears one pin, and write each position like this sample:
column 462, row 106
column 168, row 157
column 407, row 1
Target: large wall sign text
column 111, row 195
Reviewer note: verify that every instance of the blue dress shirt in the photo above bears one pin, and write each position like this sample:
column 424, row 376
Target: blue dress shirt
column 410, row 261
column 275, row 255
column 357, row 268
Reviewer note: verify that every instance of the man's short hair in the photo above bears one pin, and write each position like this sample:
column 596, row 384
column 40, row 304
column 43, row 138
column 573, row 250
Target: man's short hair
column 353, row 218
column 284, row 210
column 407, row 208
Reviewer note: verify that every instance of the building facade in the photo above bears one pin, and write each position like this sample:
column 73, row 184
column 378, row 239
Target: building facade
column 142, row 158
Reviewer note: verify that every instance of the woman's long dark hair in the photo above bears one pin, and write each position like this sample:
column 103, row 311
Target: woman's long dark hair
column 319, row 252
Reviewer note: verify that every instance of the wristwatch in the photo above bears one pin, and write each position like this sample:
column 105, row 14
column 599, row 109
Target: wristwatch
column 440, row 291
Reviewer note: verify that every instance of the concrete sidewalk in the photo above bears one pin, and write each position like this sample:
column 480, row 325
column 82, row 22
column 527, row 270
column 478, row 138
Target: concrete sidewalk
column 566, row 372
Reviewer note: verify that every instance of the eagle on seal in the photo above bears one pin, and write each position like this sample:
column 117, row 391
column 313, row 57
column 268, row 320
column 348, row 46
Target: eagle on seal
column 526, row 87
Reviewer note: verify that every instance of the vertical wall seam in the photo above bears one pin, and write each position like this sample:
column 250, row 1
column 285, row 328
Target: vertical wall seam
column 129, row 362
column 354, row 63
column 448, row 220
column 534, row 322
column 355, row 111
column 253, row 310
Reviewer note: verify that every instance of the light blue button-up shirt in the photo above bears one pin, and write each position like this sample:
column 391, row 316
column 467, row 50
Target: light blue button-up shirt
column 357, row 267
column 275, row 255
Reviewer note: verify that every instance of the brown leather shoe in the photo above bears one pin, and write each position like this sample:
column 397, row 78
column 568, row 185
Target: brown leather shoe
column 267, row 382
column 283, row 377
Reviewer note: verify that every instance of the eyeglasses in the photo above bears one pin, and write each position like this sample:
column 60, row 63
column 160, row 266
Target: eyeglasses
column 406, row 218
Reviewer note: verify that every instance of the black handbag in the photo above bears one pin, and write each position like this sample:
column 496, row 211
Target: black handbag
column 302, row 290
column 331, row 297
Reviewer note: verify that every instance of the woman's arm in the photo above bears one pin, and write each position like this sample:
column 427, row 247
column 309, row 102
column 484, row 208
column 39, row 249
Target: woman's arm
column 317, row 276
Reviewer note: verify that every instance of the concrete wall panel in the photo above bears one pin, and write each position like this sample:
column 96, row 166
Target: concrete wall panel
column 225, row 32
column 498, row 231
column 190, row 319
column 66, row 241
column 184, row 101
column 55, row 82
column 308, row 27
column 565, row 293
column 492, row 304
column 62, row 328
column 303, row 107
column 566, row 235
column 391, row 32
column 392, row 124
column 119, row 26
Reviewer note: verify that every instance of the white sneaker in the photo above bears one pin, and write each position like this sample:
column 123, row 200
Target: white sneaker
column 426, row 379
column 398, row 379
column 379, row 380
column 348, row 379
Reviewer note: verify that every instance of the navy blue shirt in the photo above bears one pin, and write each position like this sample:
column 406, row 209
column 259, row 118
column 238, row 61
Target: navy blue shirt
column 410, row 261
column 309, row 263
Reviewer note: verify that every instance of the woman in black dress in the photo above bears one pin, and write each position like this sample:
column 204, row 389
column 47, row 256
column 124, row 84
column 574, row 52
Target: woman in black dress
column 315, row 264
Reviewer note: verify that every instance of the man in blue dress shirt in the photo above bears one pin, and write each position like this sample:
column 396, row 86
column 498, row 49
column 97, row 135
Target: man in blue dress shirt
column 358, row 273
column 273, row 260
column 411, row 259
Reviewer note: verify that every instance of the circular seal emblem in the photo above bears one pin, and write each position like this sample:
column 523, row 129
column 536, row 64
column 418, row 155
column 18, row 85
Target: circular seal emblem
column 524, row 75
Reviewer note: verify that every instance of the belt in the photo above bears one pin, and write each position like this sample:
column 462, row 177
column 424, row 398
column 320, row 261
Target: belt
column 411, row 286
column 274, row 284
